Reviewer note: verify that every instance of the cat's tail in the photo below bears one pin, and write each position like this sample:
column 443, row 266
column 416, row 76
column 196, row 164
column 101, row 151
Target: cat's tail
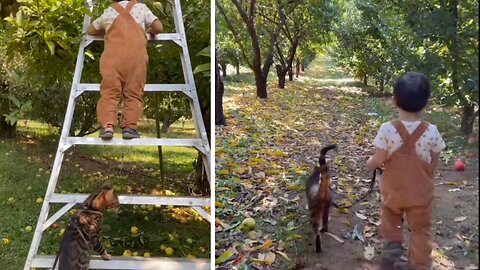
column 321, row 160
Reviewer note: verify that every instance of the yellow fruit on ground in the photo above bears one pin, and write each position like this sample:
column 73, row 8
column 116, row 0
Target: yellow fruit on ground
column 5, row 241
column 190, row 256
column 61, row 232
column 39, row 200
column 170, row 207
column 28, row 228
column 127, row 253
column 147, row 254
column 248, row 224
column 189, row 240
column 163, row 247
column 135, row 254
column 202, row 249
column 169, row 251
column 134, row 230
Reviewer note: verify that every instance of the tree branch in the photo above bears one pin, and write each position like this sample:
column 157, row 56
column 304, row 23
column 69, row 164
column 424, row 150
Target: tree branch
column 235, row 33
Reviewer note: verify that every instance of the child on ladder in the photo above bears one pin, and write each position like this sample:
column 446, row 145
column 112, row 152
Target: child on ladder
column 123, row 63
column 408, row 148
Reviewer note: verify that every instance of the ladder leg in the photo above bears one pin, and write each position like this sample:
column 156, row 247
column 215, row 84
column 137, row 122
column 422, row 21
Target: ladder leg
column 37, row 236
column 194, row 102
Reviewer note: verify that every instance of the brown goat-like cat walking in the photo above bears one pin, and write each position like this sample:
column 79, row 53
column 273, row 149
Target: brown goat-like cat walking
column 319, row 197
column 82, row 235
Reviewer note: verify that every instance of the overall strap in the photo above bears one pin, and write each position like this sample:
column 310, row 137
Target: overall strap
column 401, row 129
column 118, row 8
column 409, row 140
column 130, row 5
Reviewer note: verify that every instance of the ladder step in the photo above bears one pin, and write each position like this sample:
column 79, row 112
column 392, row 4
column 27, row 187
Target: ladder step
column 137, row 263
column 137, row 199
column 159, row 37
column 197, row 143
column 148, row 87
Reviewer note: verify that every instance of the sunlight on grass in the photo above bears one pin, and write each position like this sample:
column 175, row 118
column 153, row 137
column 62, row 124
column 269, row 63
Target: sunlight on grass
column 24, row 173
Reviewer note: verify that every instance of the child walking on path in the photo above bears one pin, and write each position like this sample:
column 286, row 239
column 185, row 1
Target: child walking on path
column 123, row 64
column 408, row 149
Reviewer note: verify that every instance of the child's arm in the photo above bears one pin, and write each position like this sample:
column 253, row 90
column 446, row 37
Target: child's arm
column 377, row 159
column 155, row 28
column 92, row 31
column 434, row 157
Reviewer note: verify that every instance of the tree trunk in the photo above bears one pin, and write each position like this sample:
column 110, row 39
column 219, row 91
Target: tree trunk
column 224, row 69
column 166, row 121
column 219, row 90
column 382, row 86
column 261, row 84
column 365, row 79
column 7, row 130
column 290, row 74
column 281, row 74
column 297, row 67
column 237, row 68
column 468, row 118
column 302, row 66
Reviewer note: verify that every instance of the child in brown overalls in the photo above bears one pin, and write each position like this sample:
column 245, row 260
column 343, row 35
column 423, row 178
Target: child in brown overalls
column 408, row 149
column 123, row 64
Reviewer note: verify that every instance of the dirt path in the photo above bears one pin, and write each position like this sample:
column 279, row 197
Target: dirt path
column 458, row 197
column 268, row 149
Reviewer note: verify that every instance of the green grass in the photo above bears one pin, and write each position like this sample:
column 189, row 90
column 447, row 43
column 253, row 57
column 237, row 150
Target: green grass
column 25, row 164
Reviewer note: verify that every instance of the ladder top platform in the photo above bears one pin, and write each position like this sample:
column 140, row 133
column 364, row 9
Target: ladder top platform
column 137, row 199
column 138, row 263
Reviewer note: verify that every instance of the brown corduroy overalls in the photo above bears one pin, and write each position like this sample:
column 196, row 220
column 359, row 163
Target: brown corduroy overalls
column 407, row 187
column 123, row 66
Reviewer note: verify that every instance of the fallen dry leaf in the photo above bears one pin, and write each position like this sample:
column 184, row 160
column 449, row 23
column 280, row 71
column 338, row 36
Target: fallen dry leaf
column 369, row 253
column 460, row 219
column 360, row 216
column 269, row 258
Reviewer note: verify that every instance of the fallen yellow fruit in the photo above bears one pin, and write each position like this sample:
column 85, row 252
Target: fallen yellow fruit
column 134, row 230
column 190, row 256
column 248, row 224
column 147, row 254
column 127, row 253
column 5, row 241
column 163, row 247
column 169, row 251
column 39, row 200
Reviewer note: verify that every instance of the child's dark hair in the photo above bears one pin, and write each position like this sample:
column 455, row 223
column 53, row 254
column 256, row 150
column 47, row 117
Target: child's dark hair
column 412, row 92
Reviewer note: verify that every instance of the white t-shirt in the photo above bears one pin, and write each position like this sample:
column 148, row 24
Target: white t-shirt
column 389, row 139
column 140, row 13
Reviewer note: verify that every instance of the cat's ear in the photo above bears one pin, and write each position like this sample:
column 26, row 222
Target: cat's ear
column 107, row 186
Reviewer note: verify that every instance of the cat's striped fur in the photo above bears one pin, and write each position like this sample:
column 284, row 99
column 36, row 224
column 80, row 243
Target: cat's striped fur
column 82, row 235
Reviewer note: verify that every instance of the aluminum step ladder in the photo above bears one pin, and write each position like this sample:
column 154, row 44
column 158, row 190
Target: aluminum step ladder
column 201, row 143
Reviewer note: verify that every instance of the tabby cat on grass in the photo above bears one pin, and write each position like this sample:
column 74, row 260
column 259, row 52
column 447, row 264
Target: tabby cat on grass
column 82, row 234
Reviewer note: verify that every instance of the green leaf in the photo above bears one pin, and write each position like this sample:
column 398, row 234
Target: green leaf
column 202, row 68
column 225, row 256
column 204, row 52
column 15, row 101
column 51, row 46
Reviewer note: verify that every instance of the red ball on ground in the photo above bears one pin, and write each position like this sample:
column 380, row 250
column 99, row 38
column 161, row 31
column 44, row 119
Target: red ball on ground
column 459, row 165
